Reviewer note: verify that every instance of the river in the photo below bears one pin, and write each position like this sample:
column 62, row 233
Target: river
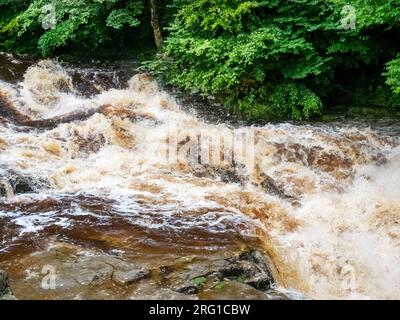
column 120, row 190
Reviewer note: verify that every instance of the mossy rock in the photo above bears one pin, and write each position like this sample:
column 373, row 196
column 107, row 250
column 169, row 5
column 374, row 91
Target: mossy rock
column 5, row 290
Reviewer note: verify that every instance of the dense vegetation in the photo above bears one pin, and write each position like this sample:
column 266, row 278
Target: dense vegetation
column 272, row 58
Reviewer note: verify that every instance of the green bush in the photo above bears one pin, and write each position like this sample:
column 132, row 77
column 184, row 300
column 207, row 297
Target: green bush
column 393, row 75
column 278, row 58
column 86, row 24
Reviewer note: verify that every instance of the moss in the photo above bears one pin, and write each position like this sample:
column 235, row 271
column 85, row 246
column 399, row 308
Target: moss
column 200, row 281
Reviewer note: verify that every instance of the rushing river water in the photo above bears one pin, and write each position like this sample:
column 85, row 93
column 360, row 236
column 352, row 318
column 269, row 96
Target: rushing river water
column 100, row 170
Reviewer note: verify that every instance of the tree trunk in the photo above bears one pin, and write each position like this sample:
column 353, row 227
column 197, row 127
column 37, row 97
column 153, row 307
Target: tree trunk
column 155, row 23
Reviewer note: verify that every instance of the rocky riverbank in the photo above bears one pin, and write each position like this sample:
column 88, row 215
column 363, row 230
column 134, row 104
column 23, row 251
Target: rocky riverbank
column 65, row 271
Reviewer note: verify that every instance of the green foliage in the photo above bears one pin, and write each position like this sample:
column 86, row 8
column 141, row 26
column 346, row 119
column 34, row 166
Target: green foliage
column 296, row 101
column 393, row 75
column 199, row 281
column 87, row 23
column 242, row 278
column 219, row 285
column 276, row 58
column 119, row 17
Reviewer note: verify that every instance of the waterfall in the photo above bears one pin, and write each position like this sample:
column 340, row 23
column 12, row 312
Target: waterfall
column 322, row 201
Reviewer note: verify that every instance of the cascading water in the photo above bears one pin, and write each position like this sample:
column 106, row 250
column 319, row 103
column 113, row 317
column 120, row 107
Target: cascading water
column 96, row 162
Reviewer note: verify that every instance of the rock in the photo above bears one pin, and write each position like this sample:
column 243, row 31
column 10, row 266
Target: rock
column 191, row 280
column 87, row 277
column 129, row 277
column 227, row 173
column 9, row 111
column 13, row 182
column 146, row 291
column 271, row 187
column 22, row 184
column 144, row 83
column 66, row 283
column 3, row 282
column 188, row 288
column 238, row 269
column 257, row 258
column 233, row 290
column 91, row 269
column 6, row 190
column 166, row 270
column 268, row 184
column 87, row 274
column 5, row 289
column 249, row 267
column 260, row 281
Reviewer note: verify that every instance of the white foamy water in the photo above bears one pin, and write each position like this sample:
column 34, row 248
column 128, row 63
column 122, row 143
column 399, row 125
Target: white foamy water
column 325, row 200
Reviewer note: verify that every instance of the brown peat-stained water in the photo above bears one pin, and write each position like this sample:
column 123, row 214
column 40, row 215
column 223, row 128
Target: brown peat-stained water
column 102, row 171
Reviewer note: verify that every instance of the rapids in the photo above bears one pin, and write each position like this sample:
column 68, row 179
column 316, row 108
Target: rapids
column 97, row 158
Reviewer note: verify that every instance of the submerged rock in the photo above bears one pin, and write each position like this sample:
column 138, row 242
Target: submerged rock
column 227, row 174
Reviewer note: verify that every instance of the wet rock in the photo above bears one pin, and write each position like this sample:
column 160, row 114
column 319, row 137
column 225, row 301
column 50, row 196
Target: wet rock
column 166, row 270
column 9, row 111
column 249, row 267
column 257, row 258
column 233, row 290
column 130, row 112
column 90, row 144
column 87, row 277
column 260, row 281
column 270, row 186
column 130, row 277
column 3, row 282
column 5, row 289
column 6, row 190
column 148, row 291
column 227, row 174
column 193, row 278
column 238, row 269
column 13, row 182
column 85, row 274
column 144, row 83
column 22, row 184
column 188, row 288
